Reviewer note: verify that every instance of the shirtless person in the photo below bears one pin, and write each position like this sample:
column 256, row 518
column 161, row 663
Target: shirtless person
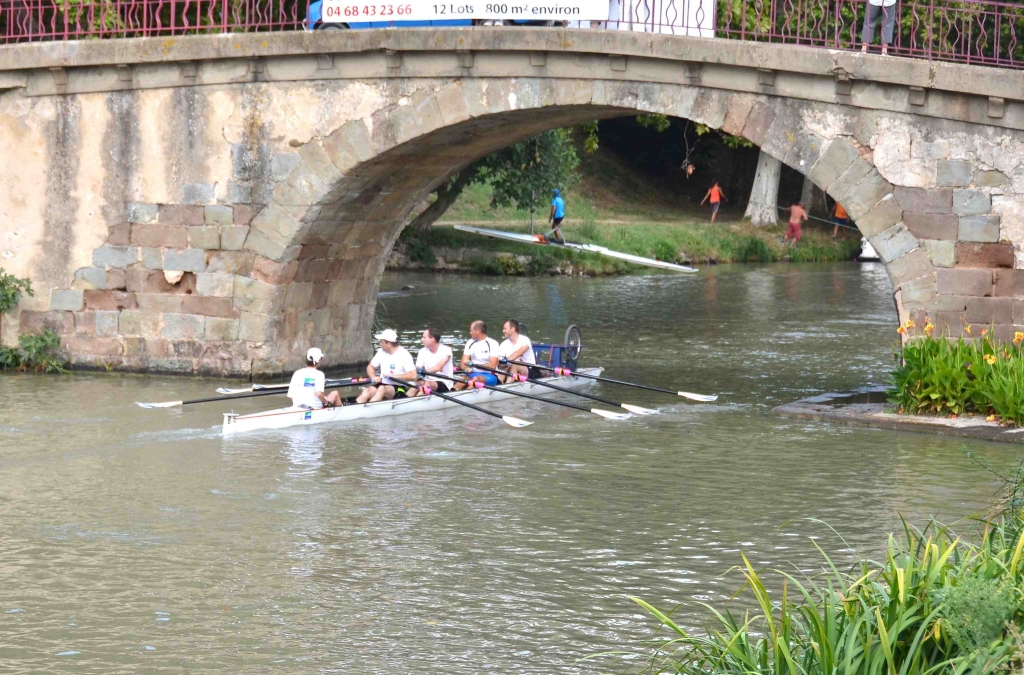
column 797, row 216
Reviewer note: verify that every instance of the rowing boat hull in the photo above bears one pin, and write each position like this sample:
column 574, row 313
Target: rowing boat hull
column 282, row 418
column 538, row 240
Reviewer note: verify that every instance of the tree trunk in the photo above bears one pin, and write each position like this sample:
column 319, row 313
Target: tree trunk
column 446, row 196
column 762, row 209
column 813, row 199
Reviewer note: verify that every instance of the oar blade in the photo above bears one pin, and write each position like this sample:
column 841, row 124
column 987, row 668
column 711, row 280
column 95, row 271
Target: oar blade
column 638, row 410
column 705, row 398
column 165, row 404
column 515, row 421
column 608, row 415
column 225, row 390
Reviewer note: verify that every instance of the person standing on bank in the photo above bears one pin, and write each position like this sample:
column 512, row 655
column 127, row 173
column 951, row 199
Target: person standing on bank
column 716, row 196
column 306, row 390
column 794, row 231
column 556, row 216
column 434, row 358
column 396, row 366
column 840, row 217
column 875, row 8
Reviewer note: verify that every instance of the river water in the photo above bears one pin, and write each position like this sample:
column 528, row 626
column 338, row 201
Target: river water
column 142, row 541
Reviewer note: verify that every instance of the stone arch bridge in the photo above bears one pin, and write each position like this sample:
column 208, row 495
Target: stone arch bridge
column 218, row 203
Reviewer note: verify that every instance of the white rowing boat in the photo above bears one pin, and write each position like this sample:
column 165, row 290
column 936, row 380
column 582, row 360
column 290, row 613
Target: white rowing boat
column 282, row 418
column 586, row 248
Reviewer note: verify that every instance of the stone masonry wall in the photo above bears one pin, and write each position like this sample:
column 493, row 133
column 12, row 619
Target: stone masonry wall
column 225, row 229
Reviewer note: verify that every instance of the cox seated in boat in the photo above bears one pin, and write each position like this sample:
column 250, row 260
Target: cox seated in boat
column 396, row 369
column 479, row 351
column 516, row 347
column 435, row 358
column 306, row 390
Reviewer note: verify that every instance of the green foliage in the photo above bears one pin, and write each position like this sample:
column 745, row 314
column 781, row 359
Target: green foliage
column 918, row 611
column 524, row 174
column 666, row 251
column 11, row 290
column 419, row 250
column 941, row 376
column 39, row 352
column 590, row 139
column 656, row 121
column 734, row 142
column 756, row 250
column 977, row 610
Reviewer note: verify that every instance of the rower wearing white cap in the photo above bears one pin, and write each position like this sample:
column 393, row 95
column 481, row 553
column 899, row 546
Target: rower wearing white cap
column 396, row 367
column 306, row 389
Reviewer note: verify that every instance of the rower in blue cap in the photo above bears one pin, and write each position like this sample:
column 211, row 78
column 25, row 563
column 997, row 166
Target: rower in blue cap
column 557, row 214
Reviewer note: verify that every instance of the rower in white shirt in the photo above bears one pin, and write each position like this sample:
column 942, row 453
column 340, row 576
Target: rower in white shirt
column 516, row 347
column 435, row 358
column 480, row 350
column 306, row 390
column 396, row 369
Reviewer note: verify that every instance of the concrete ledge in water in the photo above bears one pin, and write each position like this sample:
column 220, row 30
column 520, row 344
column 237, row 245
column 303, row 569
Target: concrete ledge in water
column 868, row 407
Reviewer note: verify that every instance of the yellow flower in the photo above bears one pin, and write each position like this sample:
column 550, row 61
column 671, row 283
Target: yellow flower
column 990, row 359
column 910, row 324
column 967, row 329
column 901, row 330
column 984, row 332
column 1018, row 337
column 990, row 418
column 928, row 328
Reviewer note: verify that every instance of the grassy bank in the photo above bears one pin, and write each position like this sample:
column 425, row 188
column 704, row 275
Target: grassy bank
column 694, row 242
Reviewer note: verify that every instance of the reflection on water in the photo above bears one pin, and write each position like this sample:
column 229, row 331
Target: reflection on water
column 141, row 541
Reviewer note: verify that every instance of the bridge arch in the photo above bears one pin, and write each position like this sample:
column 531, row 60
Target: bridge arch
column 277, row 194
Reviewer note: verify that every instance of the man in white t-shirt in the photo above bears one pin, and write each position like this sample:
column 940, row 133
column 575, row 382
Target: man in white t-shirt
column 306, row 390
column 435, row 358
column 397, row 371
column 516, row 347
column 480, row 350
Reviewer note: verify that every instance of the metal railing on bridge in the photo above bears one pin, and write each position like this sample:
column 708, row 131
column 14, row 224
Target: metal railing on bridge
column 963, row 31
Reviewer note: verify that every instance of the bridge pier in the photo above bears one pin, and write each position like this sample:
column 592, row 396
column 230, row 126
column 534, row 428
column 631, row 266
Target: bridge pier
column 225, row 223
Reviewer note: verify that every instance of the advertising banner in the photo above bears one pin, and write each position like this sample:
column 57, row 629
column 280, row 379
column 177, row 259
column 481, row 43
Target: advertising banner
column 346, row 11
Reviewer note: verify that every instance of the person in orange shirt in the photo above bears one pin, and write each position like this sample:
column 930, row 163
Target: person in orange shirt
column 840, row 217
column 716, row 196
column 797, row 215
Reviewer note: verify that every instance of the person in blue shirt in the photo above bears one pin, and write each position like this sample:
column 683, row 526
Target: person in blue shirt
column 557, row 214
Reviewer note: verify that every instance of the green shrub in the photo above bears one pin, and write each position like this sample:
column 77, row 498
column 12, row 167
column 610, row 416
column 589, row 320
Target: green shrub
column 39, row 352
column 11, row 290
column 941, row 376
column 755, row 250
column 510, row 265
column 976, row 612
column 665, row 251
column 418, row 250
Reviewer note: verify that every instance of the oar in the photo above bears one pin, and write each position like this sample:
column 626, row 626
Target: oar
column 619, row 404
column 706, row 398
column 330, row 384
column 480, row 385
column 173, row 404
column 507, row 419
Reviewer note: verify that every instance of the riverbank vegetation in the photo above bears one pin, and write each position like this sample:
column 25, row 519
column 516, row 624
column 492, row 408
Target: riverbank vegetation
column 935, row 603
column 682, row 242
column 936, row 375
column 39, row 352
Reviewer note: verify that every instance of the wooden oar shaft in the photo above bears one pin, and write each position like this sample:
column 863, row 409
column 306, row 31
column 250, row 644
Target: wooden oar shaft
column 514, row 393
column 556, row 387
column 573, row 373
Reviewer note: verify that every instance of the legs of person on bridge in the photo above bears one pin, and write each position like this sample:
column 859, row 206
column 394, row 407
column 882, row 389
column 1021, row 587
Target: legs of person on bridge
column 885, row 8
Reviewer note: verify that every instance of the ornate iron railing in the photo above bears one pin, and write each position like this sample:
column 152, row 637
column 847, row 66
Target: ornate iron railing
column 966, row 31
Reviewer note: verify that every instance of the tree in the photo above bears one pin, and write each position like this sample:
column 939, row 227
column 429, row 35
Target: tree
column 521, row 175
column 763, row 206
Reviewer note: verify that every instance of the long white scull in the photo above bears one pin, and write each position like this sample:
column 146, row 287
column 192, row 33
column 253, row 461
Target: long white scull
column 282, row 418
column 586, row 248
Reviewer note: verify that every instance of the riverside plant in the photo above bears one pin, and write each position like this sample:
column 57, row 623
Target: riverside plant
column 934, row 604
column 938, row 375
